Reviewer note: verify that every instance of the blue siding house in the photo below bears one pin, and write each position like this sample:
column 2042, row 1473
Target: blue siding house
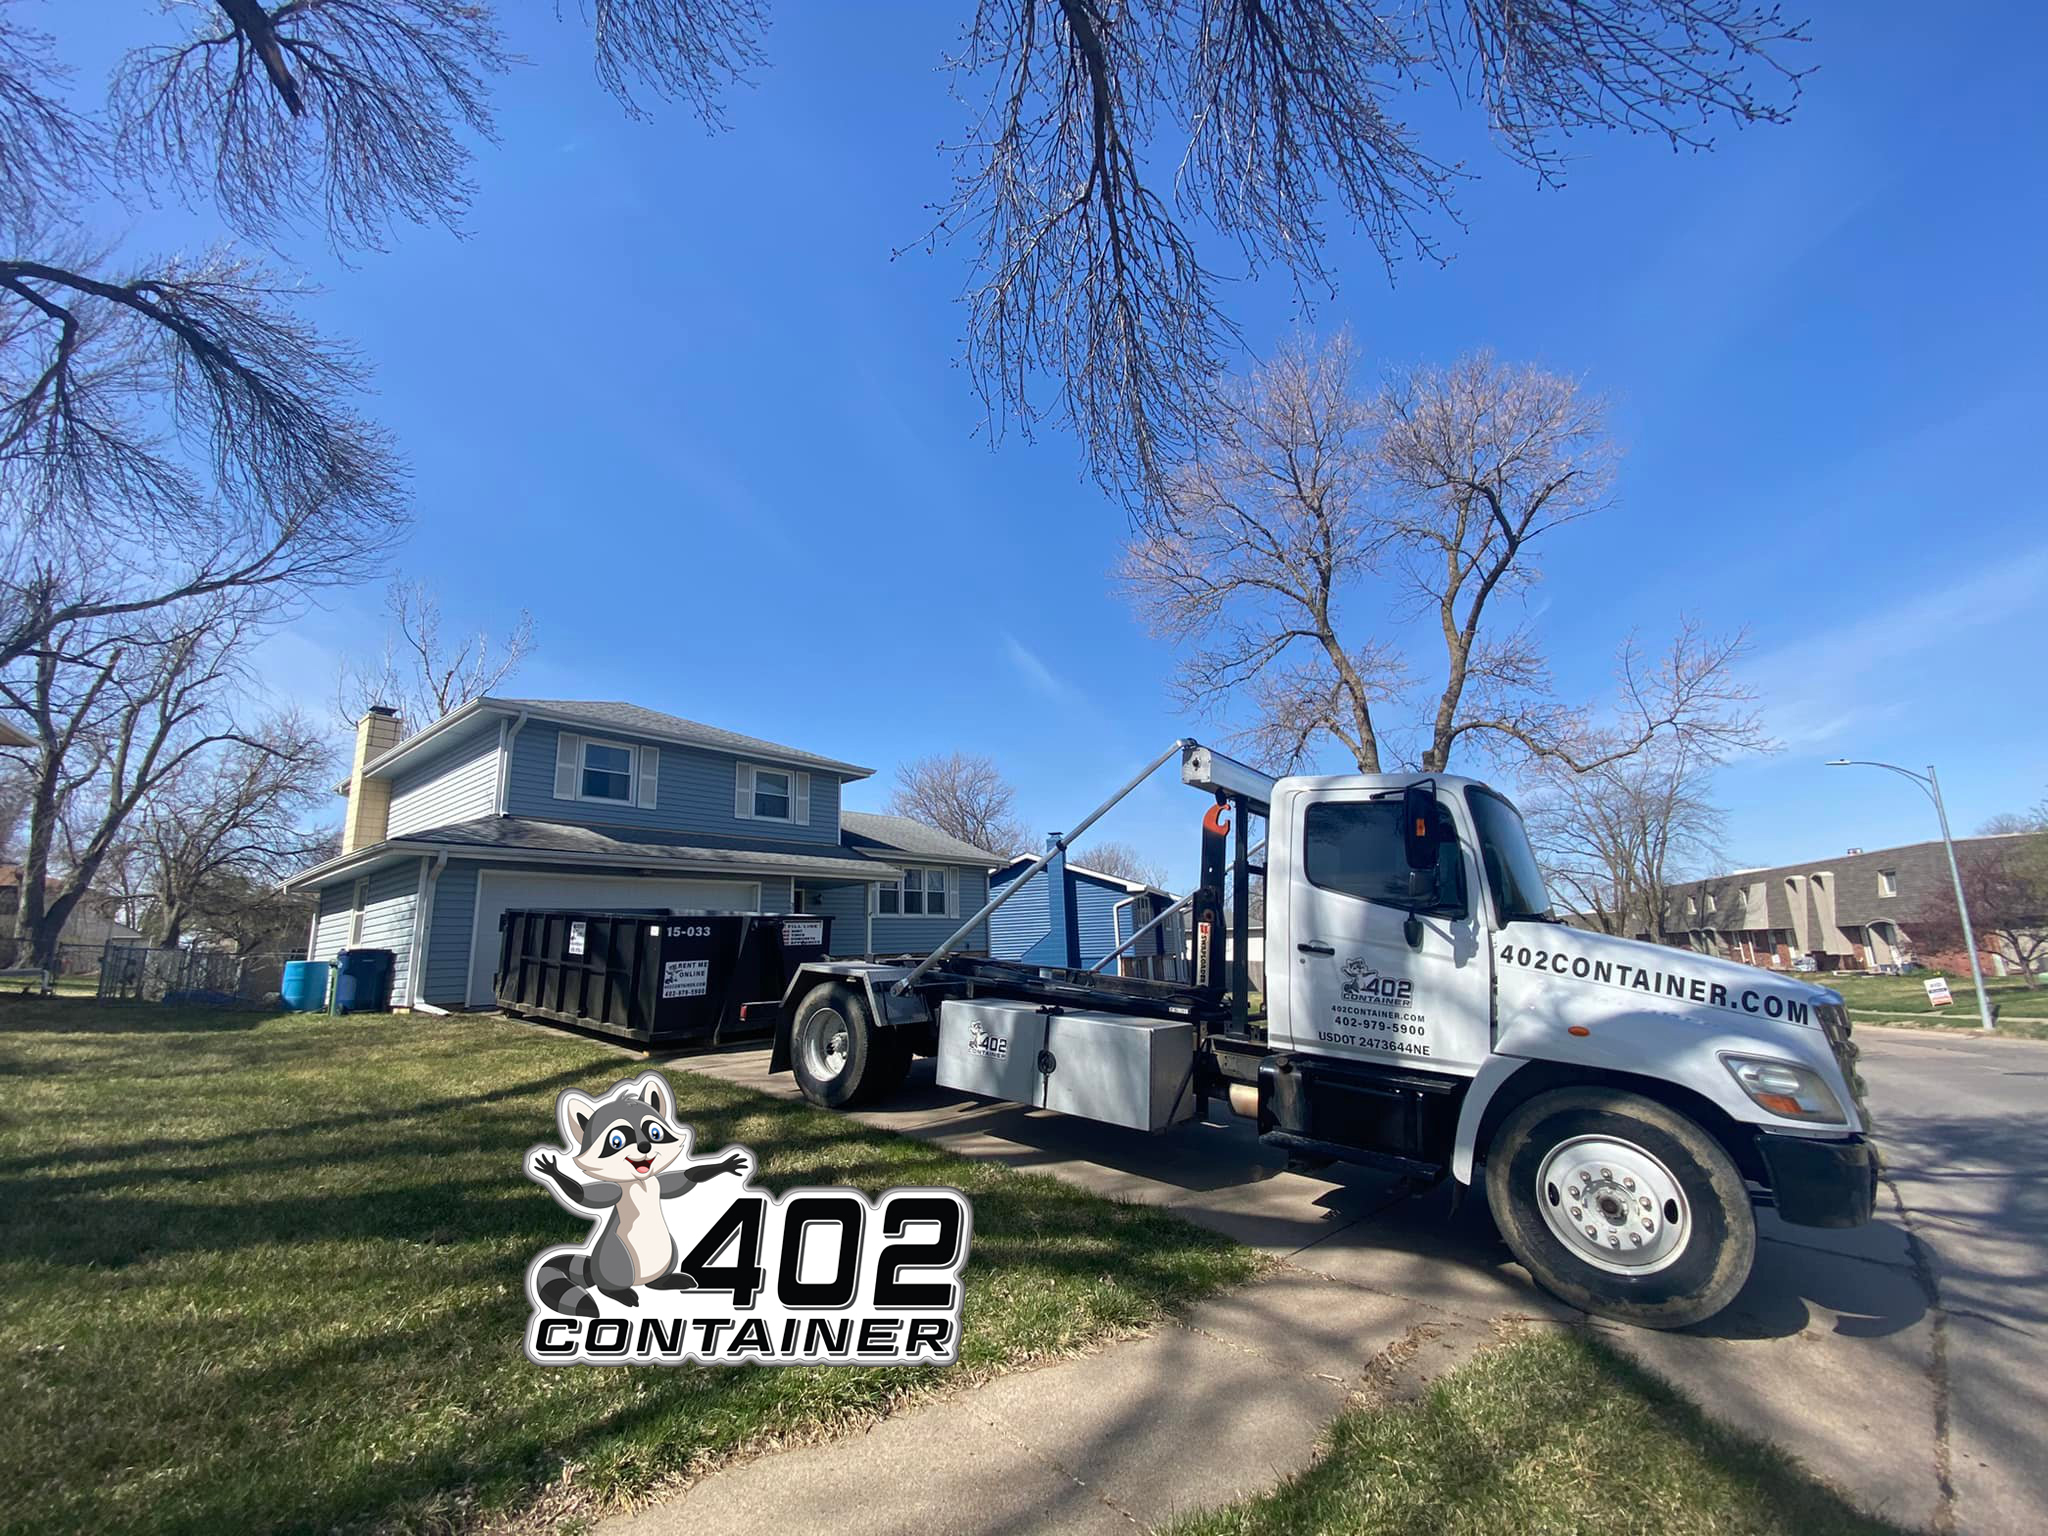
column 508, row 803
column 1073, row 916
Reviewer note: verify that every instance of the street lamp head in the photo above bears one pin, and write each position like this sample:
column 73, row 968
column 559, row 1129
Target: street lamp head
column 1839, row 762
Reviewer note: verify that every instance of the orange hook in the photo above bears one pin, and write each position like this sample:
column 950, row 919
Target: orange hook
column 1214, row 821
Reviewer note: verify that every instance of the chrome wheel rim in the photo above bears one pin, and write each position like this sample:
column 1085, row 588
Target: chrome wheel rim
column 1614, row 1205
column 828, row 1044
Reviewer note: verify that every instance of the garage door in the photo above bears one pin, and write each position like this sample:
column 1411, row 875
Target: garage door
column 500, row 892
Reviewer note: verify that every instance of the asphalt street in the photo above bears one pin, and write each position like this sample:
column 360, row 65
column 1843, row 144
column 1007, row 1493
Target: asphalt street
column 1906, row 1362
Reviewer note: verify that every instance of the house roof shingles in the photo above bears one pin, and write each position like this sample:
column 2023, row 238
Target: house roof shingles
column 636, row 720
column 511, row 836
column 893, row 835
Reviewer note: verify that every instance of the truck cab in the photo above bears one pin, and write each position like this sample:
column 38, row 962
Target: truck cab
column 1625, row 1105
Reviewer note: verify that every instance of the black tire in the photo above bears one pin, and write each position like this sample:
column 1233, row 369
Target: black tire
column 833, row 1047
column 1711, row 1240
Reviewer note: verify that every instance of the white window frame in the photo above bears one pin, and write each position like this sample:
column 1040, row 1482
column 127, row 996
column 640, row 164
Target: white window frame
column 746, row 797
column 359, row 903
column 949, row 874
column 789, row 796
column 583, row 746
column 1887, row 883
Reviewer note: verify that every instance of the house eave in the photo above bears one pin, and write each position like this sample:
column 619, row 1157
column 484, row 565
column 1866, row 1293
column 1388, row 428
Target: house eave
column 390, row 761
column 364, row 858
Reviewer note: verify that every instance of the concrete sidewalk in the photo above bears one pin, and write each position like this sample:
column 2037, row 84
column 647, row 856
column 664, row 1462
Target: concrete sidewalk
column 1829, row 1351
column 1222, row 1405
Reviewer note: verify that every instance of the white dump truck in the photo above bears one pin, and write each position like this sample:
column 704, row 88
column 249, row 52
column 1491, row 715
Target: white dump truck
column 1627, row 1105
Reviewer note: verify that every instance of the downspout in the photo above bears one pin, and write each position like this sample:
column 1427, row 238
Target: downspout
column 508, row 733
column 869, row 948
column 423, row 925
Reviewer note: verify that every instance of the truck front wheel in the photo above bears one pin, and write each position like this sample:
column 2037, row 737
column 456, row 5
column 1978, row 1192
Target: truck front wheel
column 1621, row 1206
column 839, row 1057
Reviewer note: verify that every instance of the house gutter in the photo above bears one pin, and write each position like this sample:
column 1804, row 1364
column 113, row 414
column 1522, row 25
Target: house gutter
column 493, row 854
column 508, row 734
column 423, row 924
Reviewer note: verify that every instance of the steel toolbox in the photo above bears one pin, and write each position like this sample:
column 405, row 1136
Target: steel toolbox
column 1111, row 1067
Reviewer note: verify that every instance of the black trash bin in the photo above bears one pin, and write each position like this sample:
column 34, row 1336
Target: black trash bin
column 673, row 979
column 362, row 980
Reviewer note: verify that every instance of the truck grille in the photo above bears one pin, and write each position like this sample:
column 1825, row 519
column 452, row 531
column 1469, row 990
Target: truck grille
column 1834, row 1023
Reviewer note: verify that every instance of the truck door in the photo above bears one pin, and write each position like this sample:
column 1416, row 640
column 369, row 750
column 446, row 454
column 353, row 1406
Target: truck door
column 1368, row 977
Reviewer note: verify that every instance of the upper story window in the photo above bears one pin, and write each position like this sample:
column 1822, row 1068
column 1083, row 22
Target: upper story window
column 920, row 893
column 772, row 794
column 1887, row 882
column 1708, row 898
column 761, row 793
column 607, row 772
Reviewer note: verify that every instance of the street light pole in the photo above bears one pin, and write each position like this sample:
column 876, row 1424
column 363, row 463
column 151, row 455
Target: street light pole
column 1930, row 786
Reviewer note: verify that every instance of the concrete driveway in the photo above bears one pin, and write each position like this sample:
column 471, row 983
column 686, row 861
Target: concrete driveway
column 1905, row 1362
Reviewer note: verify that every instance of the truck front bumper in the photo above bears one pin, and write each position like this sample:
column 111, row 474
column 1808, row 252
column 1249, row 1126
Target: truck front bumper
column 1821, row 1183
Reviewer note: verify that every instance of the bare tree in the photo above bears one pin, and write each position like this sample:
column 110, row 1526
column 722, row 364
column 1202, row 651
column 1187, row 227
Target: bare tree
column 1312, row 503
column 963, row 796
column 240, row 808
column 115, row 711
column 422, row 674
column 1090, row 277
column 1615, row 839
column 1091, row 284
column 2006, row 885
column 1122, row 861
column 2007, row 822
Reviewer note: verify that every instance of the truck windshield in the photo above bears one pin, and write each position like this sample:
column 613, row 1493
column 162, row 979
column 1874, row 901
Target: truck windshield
column 1511, row 872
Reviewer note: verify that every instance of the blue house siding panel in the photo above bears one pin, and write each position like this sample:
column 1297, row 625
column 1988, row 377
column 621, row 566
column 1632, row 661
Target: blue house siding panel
column 459, row 784
column 337, row 914
column 847, row 905
column 446, row 973
column 695, row 794
column 1021, row 928
column 1093, row 904
column 775, row 893
column 390, row 899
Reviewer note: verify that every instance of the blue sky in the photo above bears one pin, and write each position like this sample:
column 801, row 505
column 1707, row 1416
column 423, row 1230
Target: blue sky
column 676, row 393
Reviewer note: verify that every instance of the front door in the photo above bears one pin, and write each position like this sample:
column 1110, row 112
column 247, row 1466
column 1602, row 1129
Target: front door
column 1365, row 982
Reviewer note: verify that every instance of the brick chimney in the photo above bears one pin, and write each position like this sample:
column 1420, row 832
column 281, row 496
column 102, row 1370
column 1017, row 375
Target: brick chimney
column 369, row 801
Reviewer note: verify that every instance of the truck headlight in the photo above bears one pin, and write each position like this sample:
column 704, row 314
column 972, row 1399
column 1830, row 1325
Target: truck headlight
column 1795, row 1092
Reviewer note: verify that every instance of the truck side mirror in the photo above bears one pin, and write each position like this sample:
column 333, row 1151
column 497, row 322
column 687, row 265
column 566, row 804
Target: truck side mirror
column 1419, row 832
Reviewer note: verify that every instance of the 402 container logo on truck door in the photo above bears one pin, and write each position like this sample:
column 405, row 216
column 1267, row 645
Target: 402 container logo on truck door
column 686, row 1260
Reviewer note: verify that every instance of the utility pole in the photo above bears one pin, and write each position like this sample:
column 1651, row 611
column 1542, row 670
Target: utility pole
column 1930, row 786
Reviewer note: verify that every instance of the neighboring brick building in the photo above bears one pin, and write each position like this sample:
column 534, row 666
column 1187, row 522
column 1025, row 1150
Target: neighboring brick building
column 1849, row 913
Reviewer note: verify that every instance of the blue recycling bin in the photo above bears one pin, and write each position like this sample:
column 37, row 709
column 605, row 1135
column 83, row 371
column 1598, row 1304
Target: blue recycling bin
column 305, row 985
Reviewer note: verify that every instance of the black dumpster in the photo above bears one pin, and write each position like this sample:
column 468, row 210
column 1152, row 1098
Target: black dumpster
column 671, row 979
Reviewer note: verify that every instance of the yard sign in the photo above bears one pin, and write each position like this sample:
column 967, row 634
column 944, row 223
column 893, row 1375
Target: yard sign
column 1938, row 995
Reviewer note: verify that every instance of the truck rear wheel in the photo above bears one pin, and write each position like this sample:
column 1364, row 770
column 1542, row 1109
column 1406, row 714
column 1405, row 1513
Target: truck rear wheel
column 1621, row 1207
column 840, row 1058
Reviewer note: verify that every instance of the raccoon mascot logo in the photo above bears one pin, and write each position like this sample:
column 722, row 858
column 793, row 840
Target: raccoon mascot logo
column 628, row 1154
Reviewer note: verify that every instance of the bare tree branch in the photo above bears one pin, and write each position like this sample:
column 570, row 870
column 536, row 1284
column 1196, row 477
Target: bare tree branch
column 1440, row 488
column 963, row 796
column 350, row 106
column 422, row 675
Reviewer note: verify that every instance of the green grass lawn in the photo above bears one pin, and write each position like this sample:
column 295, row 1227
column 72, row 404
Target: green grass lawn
column 1902, row 1000
column 1552, row 1434
column 267, row 1273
